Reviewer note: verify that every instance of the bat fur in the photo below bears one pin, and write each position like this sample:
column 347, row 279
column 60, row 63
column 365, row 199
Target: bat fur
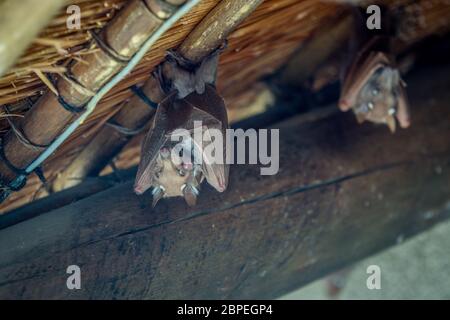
column 372, row 86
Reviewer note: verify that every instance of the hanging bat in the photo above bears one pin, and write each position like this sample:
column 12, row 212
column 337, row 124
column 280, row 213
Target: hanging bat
column 373, row 88
column 163, row 167
column 184, row 78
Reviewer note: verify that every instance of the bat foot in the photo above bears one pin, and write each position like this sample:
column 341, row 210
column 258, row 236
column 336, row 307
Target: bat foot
column 344, row 105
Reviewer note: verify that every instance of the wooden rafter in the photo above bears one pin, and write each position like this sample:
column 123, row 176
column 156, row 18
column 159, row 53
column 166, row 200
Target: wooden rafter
column 344, row 191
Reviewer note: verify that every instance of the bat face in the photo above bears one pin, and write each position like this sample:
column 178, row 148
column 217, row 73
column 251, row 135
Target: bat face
column 375, row 92
column 165, row 165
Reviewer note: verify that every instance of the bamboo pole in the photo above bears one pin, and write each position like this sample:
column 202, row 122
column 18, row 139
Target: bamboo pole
column 117, row 42
column 205, row 38
column 20, row 23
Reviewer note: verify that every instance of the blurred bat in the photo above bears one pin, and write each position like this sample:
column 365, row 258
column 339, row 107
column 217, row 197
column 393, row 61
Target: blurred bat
column 165, row 168
column 372, row 86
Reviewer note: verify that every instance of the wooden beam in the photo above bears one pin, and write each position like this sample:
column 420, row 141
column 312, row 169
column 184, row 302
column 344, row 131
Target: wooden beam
column 343, row 192
column 92, row 185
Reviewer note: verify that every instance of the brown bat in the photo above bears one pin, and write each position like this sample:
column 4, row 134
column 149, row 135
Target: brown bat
column 163, row 165
column 373, row 89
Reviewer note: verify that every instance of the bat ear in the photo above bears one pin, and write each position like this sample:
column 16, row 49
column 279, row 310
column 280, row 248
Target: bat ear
column 390, row 121
column 153, row 141
column 403, row 108
column 344, row 105
column 190, row 195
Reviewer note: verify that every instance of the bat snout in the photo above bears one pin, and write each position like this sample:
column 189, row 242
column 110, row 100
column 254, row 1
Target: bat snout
column 344, row 105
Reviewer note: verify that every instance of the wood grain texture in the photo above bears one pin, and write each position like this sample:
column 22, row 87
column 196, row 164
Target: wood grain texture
column 343, row 192
column 47, row 118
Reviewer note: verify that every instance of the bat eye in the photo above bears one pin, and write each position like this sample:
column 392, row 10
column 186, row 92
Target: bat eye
column 165, row 153
column 181, row 173
column 187, row 166
column 392, row 111
column 375, row 92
